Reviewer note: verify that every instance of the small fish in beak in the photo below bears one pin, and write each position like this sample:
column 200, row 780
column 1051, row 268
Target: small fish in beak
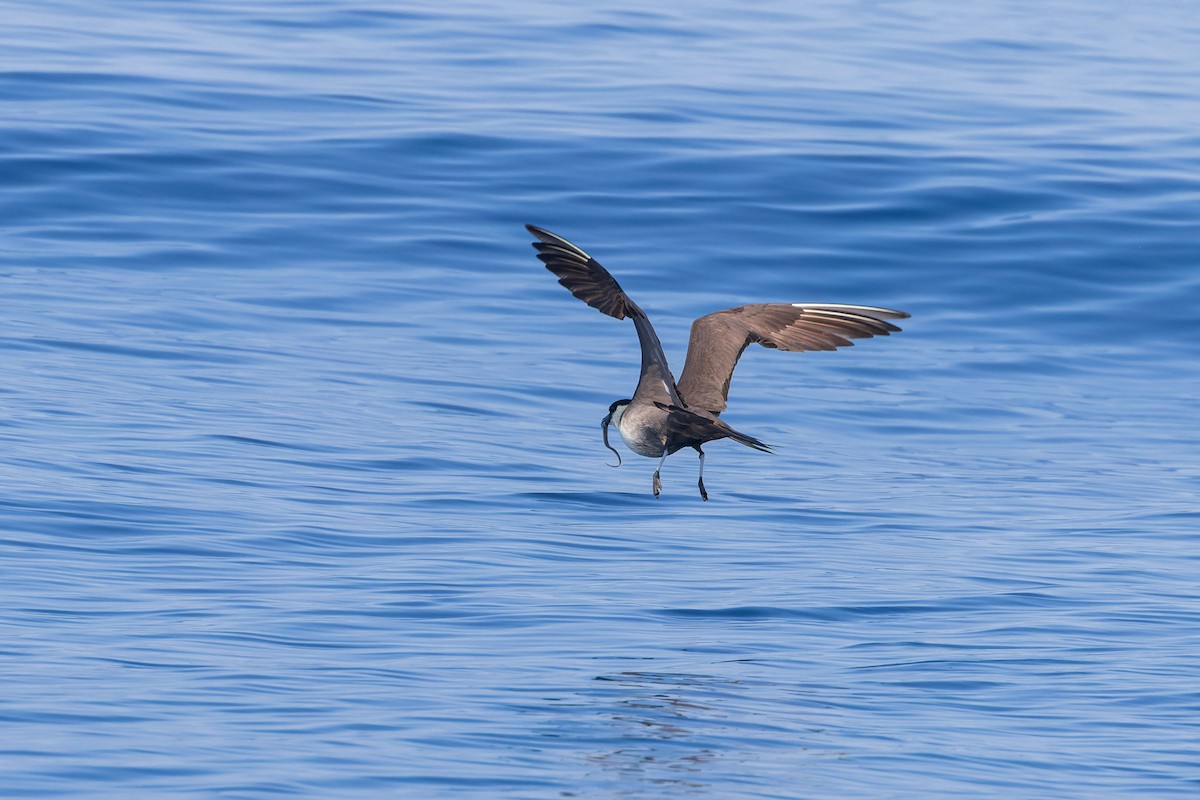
column 604, row 423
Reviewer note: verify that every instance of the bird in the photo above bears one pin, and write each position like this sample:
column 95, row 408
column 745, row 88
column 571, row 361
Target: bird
column 665, row 416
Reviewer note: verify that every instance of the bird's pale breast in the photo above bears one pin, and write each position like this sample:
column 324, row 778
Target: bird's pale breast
column 642, row 427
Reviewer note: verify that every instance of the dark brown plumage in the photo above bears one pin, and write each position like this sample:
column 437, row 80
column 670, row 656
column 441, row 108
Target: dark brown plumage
column 582, row 275
column 663, row 417
column 718, row 340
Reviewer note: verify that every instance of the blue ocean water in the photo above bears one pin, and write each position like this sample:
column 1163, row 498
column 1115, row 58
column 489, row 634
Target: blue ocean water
column 303, row 490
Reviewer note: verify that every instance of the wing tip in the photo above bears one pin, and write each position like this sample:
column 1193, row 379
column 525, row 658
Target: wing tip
column 877, row 312
column 546, row 237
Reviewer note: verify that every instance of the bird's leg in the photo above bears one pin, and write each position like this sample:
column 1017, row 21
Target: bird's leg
column 657, row 484
column 703, row 494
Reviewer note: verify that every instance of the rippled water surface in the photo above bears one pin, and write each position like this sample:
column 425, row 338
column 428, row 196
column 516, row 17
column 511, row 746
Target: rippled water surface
column 303, row 490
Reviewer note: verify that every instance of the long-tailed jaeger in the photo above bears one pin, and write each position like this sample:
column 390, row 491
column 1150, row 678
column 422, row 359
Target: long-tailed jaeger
column 664, row 416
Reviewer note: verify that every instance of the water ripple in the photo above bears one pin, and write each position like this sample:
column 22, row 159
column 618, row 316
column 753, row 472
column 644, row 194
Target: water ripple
column 305, row 495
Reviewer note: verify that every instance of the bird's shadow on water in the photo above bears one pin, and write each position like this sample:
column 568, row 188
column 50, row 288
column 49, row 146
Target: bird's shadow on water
column 595, row 499
column 674, row 502
column 728, row 511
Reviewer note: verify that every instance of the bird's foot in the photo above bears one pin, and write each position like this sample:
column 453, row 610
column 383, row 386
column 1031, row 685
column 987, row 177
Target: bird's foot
column 657, row 485
column 703, row 494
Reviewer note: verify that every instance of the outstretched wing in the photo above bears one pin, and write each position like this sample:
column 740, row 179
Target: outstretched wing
column 583, row 275
column 718, row 339
column 590, row 282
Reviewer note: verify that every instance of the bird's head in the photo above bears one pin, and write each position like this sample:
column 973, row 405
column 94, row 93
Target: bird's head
column 615, row 412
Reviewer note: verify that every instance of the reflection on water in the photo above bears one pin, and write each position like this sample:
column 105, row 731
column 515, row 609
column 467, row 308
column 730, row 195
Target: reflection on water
column 662, row 728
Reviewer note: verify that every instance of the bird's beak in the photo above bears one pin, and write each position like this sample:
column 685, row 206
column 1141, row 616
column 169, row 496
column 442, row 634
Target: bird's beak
column 604, row 423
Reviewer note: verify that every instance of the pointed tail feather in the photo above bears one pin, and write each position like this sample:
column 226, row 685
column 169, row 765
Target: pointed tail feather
column 703, row 428
column 749, row 441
